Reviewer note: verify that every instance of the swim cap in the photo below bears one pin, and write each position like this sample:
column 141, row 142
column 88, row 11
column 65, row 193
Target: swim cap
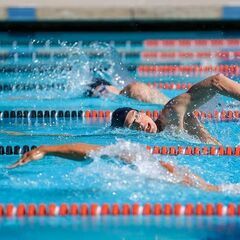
column 96, row 82
column 119, row 116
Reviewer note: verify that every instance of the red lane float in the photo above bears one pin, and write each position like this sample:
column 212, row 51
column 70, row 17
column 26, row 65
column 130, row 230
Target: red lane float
column 135, row 209
column 157, row 43
column 193, row 70
column 170, row 86
column 222, row 55
column 164, row 150
column 195, row 150
column 225, row 115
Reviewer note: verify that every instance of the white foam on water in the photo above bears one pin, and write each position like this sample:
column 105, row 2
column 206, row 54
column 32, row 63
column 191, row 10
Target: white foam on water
column 173, row 133
column 142, row 161
column 108, row 64
column 230, row 188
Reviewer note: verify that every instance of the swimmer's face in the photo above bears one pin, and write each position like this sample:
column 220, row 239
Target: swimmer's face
column 140, row 121
column 105, row 90
column 100, row 90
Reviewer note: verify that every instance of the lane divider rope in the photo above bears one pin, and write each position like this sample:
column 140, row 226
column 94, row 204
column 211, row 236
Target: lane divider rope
column 54, row 114
column 115, row 209
column 165, row 70
column 147, row 43
column 162, row 150
column 225, row 115
column 154, row 43
column 33, row 67
column 223, row 55
column 170, row 86
column 49, row 44
column 143, row 55
column 6, row 87
column 195, row 150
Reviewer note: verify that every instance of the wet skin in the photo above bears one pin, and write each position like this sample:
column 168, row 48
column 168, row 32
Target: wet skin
column 140, row 121
column 136, row 90
column 179, row 111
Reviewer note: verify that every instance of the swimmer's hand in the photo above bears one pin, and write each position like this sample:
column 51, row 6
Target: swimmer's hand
column 77, row 151
column 35, row 154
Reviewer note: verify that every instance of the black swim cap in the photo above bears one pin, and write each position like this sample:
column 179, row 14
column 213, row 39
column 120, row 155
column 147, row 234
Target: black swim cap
column 119, row 116
column 96, row 82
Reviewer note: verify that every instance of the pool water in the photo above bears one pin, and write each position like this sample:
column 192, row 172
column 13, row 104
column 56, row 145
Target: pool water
column 102, row 179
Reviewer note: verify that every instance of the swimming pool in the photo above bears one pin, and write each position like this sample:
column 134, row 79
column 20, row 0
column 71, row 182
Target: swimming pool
column 41, row 100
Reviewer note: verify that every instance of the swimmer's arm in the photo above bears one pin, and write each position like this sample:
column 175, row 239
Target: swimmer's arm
column 142, row 92
column 190, row 179
column 201, row 92
column 205, row 136
column 196, row 128
column 70, row 151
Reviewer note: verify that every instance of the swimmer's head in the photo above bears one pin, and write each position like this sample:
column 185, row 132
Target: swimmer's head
column 97, row 88
column 133, row 119
column 119, row 116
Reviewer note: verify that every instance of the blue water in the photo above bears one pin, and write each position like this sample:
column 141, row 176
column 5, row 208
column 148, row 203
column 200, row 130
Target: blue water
column 103, row 179
column 123, row 228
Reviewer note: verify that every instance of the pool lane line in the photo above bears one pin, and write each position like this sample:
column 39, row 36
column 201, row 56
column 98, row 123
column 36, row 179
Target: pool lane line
column 15, row 150
column 142, row 70
column 54, row 114
column 161, row 43
column 9, row 87
column 12, row 68
column 128, row 209
column 44, row 67
column 218, row 116
column 148, row 43
column 161, row 150
column 49, row 44
column 193, row 70
column 143, row 55
column 189, row 55
column 195, row 150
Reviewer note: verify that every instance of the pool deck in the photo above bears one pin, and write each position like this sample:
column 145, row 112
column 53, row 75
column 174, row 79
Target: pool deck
column 121, row 10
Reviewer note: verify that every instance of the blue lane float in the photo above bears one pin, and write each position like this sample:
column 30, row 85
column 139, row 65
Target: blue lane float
column 30, row 86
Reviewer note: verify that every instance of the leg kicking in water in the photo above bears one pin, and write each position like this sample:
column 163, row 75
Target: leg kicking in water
column 79, row 151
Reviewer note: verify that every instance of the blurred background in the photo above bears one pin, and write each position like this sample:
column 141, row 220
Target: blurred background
column 119, row 10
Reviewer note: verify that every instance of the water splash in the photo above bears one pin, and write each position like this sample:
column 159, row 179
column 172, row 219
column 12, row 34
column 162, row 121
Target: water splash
column 173, row 133
column 78, row 73
column 108, row 65
column 142, row 161
column 74, row 67
column 71, row 68
column 230, row 188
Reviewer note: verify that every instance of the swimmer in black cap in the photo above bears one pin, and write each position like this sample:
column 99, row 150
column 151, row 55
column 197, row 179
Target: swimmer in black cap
column 99, row 88
column 119, row 116
column 136, row 90
column 179, row 111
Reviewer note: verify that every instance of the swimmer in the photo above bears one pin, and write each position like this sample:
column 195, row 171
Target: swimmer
column 80, row 151
column 136, row 90
column 179, row 111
